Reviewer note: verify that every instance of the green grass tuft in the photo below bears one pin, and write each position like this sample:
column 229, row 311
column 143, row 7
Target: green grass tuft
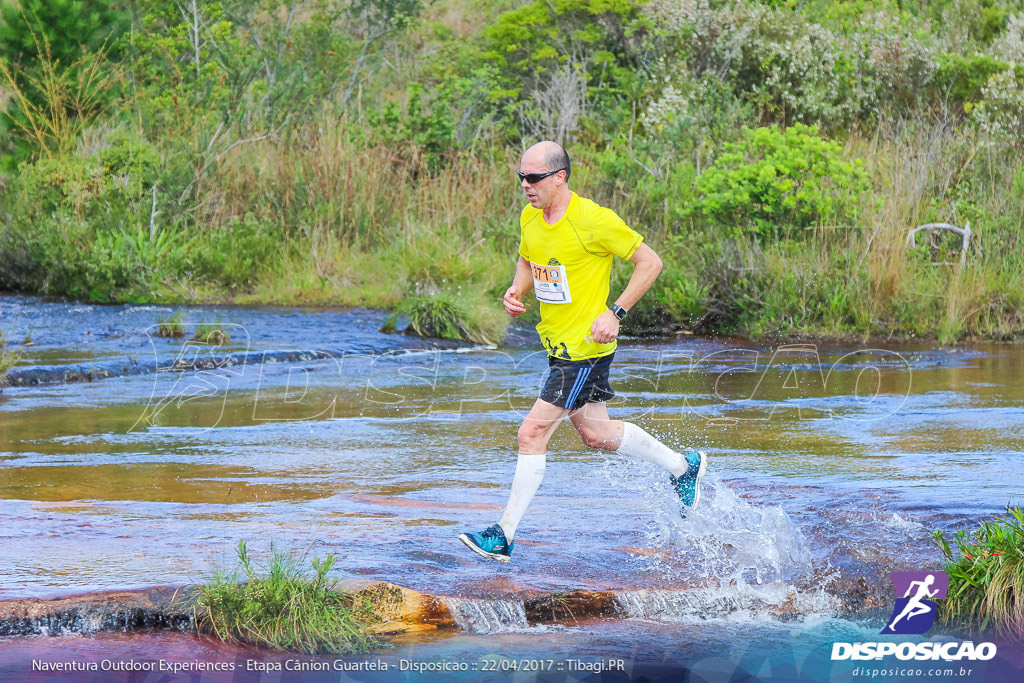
column 291, row 607
column 986, row 576
column 171, row 327
column 8, row 359
column 211, row 333
column 449, row 316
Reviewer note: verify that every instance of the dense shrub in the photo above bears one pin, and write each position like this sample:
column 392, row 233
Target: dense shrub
column 570, row 66
column 54, row 69
column 776, row 181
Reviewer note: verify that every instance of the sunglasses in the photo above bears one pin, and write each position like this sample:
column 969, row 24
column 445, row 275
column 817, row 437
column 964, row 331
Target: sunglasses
column 534, row 178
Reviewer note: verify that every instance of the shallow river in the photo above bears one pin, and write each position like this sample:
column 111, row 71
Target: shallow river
column 313, row 432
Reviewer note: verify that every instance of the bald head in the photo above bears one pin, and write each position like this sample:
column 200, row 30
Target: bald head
column 549, row 155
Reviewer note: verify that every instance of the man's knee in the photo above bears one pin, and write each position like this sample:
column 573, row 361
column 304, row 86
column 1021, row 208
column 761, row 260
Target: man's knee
column 532, row 435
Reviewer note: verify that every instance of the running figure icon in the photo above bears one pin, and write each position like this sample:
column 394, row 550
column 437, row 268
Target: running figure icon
column 915, row 606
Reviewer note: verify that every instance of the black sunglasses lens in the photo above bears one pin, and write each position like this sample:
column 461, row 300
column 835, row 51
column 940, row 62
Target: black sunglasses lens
column 534, row 177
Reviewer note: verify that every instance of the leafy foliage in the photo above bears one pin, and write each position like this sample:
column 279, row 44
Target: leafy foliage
column 986, row 575
column 70, row 28
column 55, row 60
column 774, row 181
column 562, row 62
column 449, row 316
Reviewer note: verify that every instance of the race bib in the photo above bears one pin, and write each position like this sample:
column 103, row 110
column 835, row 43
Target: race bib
column 551, row 283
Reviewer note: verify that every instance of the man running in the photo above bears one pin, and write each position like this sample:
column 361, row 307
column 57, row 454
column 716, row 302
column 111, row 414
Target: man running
column 565, row 256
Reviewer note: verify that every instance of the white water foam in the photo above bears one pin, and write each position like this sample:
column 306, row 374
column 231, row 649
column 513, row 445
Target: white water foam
column 895, row 521
column 488, row 616
column 738, row 602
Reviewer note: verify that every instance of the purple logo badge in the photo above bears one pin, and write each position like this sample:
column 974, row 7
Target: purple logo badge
column 914, row 612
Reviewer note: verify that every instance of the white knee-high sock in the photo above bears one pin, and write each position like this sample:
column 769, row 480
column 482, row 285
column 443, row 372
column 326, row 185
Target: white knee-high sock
column 636, row 443
column 529, row 473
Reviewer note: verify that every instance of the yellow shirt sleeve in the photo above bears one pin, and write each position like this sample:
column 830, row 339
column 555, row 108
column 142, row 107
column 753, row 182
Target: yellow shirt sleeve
column 522, row 237
column 609, row 234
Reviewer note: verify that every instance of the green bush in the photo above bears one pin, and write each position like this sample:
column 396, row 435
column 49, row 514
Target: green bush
column 780, row 182
column 57, row 58
column 93, row 226
column 66, row 27
column 986, row 575
column 426, row 126
column 1000, row 114
column 961, row 78
column 563, row 64
column 236, row 255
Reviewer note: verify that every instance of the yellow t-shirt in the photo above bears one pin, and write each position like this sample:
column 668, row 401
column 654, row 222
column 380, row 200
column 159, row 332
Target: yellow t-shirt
column 572, row 265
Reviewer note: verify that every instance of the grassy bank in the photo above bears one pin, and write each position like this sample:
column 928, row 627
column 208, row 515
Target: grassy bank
column 775, row 154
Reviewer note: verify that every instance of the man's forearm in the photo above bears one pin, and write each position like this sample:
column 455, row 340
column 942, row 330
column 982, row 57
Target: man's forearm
column 646, row 268
column 523, row 279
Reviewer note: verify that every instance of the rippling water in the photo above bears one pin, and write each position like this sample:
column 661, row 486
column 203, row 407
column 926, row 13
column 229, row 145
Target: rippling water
column 312, row 431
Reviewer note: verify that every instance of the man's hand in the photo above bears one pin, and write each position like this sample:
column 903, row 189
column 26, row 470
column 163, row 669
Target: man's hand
column 513, row 302
column 605, row 328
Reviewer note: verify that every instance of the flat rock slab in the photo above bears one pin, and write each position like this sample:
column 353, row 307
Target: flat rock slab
column 398, row 609
column 126, row 610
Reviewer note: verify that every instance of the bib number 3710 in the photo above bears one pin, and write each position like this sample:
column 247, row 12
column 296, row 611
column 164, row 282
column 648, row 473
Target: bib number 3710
column 551, row 284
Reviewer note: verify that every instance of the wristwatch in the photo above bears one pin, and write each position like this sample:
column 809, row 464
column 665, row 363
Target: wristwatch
column 619, row 311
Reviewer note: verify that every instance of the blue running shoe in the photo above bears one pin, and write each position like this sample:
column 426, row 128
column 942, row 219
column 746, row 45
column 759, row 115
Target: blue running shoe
column 489, row 543
column 687, row 485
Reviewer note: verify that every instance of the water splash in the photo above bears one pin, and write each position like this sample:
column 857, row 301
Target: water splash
column 724, row 537
column 756, row 542
column 488, row 616
column 741, row 601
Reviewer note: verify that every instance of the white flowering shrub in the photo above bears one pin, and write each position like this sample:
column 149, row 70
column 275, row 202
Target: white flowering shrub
column 689, row 117
column 1000, row 114
column 795, row 69
column 679, row 15
column 1009, row 46
column 669, row 107
column 892, row 64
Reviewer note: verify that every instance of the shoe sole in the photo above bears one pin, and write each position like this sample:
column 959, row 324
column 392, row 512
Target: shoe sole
column 700, row 475
column 481, row 552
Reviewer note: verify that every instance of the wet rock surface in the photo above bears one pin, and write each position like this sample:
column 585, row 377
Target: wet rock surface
column 163, row 607
column 400, row 609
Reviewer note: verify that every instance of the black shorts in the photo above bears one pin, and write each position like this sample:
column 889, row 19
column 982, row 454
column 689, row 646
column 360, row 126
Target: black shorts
column 574, row 383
